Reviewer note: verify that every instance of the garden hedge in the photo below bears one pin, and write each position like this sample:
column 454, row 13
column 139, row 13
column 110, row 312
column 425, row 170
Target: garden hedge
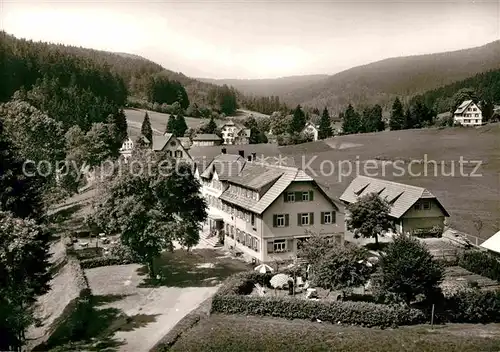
column 471, row 306
column 481, row 263
column 353, row 313
column 103, row 261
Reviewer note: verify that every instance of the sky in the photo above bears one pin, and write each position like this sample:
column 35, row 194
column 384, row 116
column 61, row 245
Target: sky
column 257, row 39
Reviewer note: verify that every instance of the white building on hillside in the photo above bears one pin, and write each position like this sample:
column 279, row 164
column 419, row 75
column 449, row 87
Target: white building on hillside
column 468, row 114
column 311, row 129
column 233, row 133
column 128, row 146
column 264, row 210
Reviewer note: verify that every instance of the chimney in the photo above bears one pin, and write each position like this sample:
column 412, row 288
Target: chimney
column 249, row 158
column 254, row 156
column 241, row 153
column 223, row 151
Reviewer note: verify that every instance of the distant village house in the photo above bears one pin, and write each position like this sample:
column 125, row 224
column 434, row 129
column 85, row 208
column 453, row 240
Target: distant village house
column 206, row 140
column 468, row 114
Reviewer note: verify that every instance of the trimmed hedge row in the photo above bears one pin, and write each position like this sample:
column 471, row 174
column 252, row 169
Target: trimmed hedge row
column 353, row 313
column 481, row 263
column 103, row 261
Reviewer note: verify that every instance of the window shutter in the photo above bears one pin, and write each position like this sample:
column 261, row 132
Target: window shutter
column 311, row 218
column 285, row 199
column 322, row 218
column 311, row 195
column 275, row 220
column 298, row 196
column 287, row 220
column 334, row 215
column 270, row 247
column 298, row 220
column 289, row 246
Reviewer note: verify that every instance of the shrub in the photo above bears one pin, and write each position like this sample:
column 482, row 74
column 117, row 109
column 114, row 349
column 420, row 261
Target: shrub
column 103, row 261
column 481, row 263
column 243, row 283
column 87, row 253
column 356, row 313
column 408, row 270
column 471, row 306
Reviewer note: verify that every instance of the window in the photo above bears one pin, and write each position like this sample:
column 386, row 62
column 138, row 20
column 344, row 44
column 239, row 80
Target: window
column 305, row 196
column 290, row 197
column 173, row 143
column 169, row 152
column 426, row 205
column 327, row 217
column 247, row 216
column 252, row 220
column 279, row 245
column 248, row 193
column 280, row 221
column 305, row 219
column 255, row 244
column 178, row 153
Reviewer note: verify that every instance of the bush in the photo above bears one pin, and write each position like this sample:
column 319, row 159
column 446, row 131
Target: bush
column 471, row 306
column 355, row 313
column 103, row 261
column 409, row 270
column 88, row 253
column 481, row 263
column 243, row 283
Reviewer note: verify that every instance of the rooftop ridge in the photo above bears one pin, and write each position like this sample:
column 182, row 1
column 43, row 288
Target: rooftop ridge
column 422, row 189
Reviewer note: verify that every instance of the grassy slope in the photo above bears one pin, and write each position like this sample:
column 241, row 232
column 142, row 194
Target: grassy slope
column 158, row 121
column 463, row 197
column 238, row 333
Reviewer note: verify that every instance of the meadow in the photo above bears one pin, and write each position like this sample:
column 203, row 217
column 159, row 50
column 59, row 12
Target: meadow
column 427, row 158
column 158, row 121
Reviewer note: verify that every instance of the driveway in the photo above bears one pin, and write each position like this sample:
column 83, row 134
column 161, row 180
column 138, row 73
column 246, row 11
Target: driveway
column 190, row 278
column 154, row 310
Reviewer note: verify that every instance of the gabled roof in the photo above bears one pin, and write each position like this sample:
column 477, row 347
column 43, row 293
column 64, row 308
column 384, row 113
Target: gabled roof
column 159, row 142
column 206, row 137
column 255, row 175
column 463, row 106
column 226, row 165
column 401, row 196
column 492, row 243
column 245, row 132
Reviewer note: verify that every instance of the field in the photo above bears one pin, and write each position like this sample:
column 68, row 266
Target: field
column 238, row 333
column 158, row 121
column 467, row 194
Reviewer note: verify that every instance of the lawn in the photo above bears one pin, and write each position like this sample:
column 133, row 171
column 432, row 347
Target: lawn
column 238, row 333
column 465, row 197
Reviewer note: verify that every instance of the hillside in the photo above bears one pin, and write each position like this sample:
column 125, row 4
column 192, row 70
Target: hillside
column 377, row 82
column 467, row 195
column 135, row 70
column 268, row 87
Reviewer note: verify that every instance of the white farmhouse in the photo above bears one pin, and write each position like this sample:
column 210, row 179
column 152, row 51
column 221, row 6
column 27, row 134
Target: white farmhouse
column 311, row 129
column 468, row 114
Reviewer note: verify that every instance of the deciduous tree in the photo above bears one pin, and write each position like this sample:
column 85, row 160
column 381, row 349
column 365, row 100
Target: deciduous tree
column 408, row 270
column 369, row 217
column 152, row 208
column 24, row 275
